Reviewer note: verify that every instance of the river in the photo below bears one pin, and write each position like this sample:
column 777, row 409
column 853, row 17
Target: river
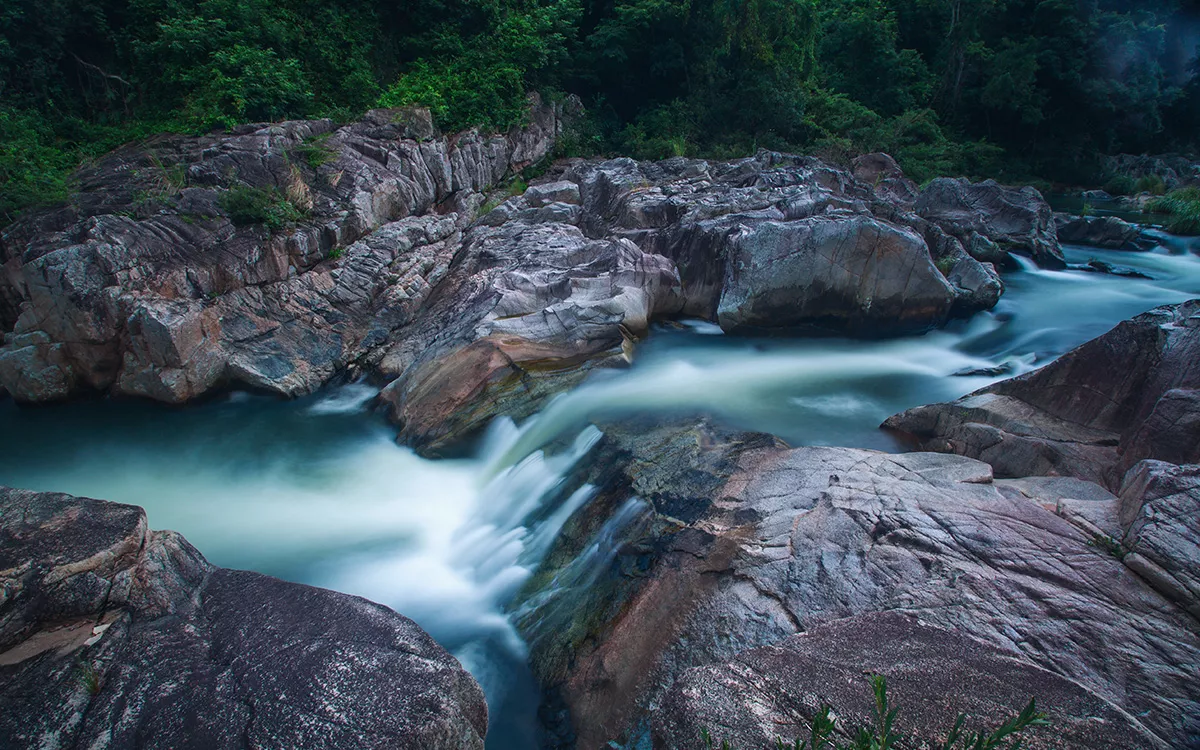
column 317, row 491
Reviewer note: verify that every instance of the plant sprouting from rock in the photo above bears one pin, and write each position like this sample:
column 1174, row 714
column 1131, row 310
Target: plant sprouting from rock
column 883, row 735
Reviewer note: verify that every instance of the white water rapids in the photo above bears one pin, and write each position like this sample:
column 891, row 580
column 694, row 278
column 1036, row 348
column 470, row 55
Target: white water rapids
column 317, row 491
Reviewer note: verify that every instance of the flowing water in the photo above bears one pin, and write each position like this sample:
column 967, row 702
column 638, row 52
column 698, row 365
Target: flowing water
column 317, row 491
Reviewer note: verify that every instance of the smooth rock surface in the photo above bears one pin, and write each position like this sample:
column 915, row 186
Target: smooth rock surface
column 114, row 636
column 744, row 543
column 1107, row 232
column 1018, row 220
column 1126, row 396
column 772, row 693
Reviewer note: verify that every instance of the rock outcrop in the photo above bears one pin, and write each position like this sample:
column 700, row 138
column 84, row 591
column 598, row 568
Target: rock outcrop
column 162, row 278
column 146, row 286
column 1107, row 232
column 1131, row 394
column 1018, row 220
column 779, row 241
column 743, row 543
column 115, row 636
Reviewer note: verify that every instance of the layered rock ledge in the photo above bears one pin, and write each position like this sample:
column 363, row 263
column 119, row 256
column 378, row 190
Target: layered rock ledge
column 112, row 635
column 1129, row 395
column 153, row 282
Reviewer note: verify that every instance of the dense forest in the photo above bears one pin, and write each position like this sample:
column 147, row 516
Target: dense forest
column 1005, row 88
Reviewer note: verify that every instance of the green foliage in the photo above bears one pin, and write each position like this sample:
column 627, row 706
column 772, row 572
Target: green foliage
column 248, row 205
column 90, row 678
column 461, row 94
column 883, row 735
column 1001, row 88
column 1120, row 185
column 314, row 151
column 1182, row 209
column 33, row 170
column 1151, row 183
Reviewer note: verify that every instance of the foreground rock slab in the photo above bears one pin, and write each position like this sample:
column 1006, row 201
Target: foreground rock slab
column 772, row 693
column 761, row 542
column 114, row 636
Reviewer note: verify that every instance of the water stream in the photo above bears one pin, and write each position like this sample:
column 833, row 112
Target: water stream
column 317, row 491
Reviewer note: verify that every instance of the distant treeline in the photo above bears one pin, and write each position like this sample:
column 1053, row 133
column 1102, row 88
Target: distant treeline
column 1006, row 88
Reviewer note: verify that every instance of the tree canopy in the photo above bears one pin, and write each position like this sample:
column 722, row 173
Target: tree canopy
column 980, row 87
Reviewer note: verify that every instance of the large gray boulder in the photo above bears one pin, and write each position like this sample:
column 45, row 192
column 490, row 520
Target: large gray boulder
column 853, row 273
column 529, row 310
column 1018, row 220
column 1159, row 534
column 1107, row 232
column 778, row 241
column 742, row 543
column 115, row 636
column 1126, row 396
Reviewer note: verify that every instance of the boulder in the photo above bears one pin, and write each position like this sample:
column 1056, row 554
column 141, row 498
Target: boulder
column 529, row 310
column 112, row 635
column 743, row 544
column 1018, row 220
column 1126, row 396
column 778, row 241
column 1107, row 232
column 855, row 274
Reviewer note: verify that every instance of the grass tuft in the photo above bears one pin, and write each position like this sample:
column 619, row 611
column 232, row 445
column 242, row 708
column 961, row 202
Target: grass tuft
column 1181, row 208
column 883, row 735
column 248, row 205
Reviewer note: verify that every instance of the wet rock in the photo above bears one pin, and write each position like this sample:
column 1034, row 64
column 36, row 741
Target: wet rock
column 116, row 636
column 1094, row 413
column 529, row 310
column 855, row 274
column 782, row 241
column 144, row 286
column 772, row 693
column 1017, row 220
column 793, row 539
column 1097, row 231
column 885, row 177
column 393, row 274
column 1099, row 266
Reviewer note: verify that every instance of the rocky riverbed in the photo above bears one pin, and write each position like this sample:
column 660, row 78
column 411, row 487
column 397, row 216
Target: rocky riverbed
column 663, row 564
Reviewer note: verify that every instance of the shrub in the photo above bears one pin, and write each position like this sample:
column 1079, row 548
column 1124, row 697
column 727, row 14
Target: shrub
column 1121, row 184
column 1150, row 183
column 314, row 151
column 250, row 205
column 1182, row 209
column 34, row 169
column 462, row 93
